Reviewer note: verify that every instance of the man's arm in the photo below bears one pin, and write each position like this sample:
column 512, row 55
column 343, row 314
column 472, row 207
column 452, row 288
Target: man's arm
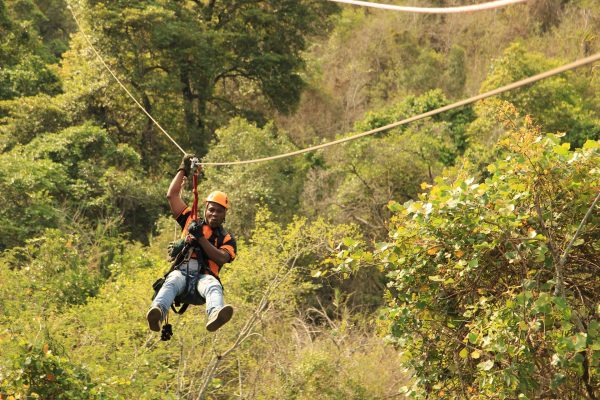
column 217, row 255
column 174, row 194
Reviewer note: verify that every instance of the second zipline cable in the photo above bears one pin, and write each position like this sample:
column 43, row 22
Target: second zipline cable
column 434, row 10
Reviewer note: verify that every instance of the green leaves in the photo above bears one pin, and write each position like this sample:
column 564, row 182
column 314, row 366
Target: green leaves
column 563, row 149
column 78, row 168
column 557, row 103
column 478, row 250
column 486, row 365
column 210, row 61
column 278, row 186
column 38, row 373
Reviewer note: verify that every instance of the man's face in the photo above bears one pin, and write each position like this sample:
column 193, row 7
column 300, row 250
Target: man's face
column 215, row 214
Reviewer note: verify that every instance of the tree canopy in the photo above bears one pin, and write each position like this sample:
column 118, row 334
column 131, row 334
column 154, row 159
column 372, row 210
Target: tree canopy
column 453, row 257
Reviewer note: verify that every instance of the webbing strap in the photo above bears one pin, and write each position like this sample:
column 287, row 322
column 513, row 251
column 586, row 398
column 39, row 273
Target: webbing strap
column 195, row 191
column 181, row 310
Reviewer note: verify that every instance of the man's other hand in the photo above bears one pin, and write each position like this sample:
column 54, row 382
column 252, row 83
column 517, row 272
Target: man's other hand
column 195, row 229
column 186, row 164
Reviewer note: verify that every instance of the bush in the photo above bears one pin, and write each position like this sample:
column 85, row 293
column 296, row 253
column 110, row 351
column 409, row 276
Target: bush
column 558, row 104
column 479, row 301
column 36, row 373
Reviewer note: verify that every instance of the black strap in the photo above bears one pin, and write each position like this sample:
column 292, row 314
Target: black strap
column 181, row 310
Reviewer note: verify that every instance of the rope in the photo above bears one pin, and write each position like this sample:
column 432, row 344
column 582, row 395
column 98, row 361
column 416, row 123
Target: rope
column 195, row 191
column 512, row 86
column 434, row 10
column 119, row 82
column 470, row 100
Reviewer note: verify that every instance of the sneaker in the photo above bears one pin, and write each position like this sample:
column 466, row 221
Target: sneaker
column 218, row 318
column 154, row 318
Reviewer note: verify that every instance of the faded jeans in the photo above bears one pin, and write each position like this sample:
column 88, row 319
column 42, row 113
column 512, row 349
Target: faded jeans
column 208, row 287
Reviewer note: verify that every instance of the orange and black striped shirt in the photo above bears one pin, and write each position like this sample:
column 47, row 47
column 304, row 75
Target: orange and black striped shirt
column 219, row 238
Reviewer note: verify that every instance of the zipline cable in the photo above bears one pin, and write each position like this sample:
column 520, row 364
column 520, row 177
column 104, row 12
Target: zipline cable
column 470, row 100
column 119, row 82
column 434, row 10
column 512, row 86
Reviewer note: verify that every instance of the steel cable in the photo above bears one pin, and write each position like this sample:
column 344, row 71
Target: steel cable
column 434, row 10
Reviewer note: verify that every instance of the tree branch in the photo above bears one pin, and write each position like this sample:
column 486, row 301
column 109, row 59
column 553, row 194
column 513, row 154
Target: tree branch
column 246, row 330
column 559, row 290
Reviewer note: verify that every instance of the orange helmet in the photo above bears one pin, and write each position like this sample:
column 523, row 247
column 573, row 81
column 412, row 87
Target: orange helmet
column 219, row 198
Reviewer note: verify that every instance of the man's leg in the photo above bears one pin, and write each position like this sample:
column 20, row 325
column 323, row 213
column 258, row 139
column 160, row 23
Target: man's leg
column 174, row 285
column 218, row 313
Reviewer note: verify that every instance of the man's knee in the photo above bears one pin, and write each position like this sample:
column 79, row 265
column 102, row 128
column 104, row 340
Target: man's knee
column 208, row 283
column 174, row 277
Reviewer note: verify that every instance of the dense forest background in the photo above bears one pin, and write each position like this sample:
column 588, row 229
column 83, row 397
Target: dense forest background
column 454, row 257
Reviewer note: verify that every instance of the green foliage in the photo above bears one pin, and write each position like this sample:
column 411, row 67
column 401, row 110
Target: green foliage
column 456, row 71
column 276, row 185
column 215, row 60
column 54, row 271
column 79, row 171
column 24, row 56
column 473, row 268
column 107, row 333
column 28, row 117
column 559, row 103
column 36, row 373
column 317, row 376
column 302, row 247
column 29, row 197
column 28, row 78
column 370, row 172
column 76, row 288
column 476, row 300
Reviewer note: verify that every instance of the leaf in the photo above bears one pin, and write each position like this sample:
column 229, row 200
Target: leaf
column 348, row 242
column 464, row 353
column 523, row 325
column 433, row 250
column 578, row 242
column 486, row 365
column 594, row 329
column 475, row 354
column 579, row 341
column 395, row 207
column 563, row 149
column 472, row 338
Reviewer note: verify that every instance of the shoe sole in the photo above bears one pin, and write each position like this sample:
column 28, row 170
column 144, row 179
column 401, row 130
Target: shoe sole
column 154, row 316
column 223, row 317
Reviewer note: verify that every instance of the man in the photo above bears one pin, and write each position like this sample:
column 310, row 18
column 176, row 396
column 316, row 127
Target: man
column 211, row 247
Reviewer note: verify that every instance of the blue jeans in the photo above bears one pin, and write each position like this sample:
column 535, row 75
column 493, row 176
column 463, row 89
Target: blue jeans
column 208, row 286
